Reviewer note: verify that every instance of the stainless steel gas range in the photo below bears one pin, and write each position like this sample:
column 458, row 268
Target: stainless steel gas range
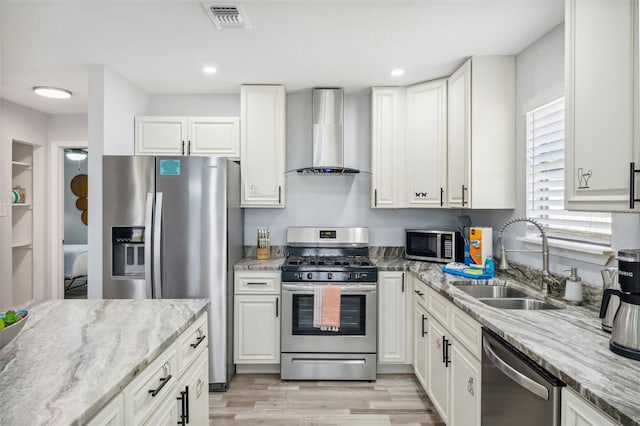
column 316, row 258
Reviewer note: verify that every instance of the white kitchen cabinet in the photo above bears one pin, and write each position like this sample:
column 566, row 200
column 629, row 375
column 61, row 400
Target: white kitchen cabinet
column 387, row 147
column 420, row 343
column 601, row 108
column 438, row 377
column 187, row 136
column 262, row 145
column 256, row 334
column 425, row 149
column 394, row 334
column 481, row 135
column 576, row 411
column 150, row 398
column 464, row 392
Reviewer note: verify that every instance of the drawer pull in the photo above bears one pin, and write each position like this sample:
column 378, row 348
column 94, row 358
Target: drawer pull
column 198, row 341
column 163, row 381
column 418, row 292
column 262, row 283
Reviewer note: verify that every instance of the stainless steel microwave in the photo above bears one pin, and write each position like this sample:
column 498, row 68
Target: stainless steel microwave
column 433, row 246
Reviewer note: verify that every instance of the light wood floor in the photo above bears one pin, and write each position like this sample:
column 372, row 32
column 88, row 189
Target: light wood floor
column 263, row 399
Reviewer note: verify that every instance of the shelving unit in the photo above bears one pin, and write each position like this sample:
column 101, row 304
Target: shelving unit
column 22, row 222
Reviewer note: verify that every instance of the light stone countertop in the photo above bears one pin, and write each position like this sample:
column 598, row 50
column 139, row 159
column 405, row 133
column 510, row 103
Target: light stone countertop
column 568, row 342
column 253, row 264
column 73, row 356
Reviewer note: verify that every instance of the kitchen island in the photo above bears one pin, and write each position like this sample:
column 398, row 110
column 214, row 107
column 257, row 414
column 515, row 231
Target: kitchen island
column 73, row 356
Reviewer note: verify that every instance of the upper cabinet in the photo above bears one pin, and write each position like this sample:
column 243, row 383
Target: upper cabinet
column 482, row 134
column 188, row 136
column 601, row 105
column 263, row 143
column 409, row 145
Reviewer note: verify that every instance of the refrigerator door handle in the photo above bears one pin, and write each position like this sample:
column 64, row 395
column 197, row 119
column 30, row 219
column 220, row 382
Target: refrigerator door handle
column 148, row 281
column 157, row 246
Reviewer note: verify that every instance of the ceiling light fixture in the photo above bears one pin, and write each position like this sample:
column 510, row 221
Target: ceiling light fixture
column 209, row 69
column 397, row 72
column 76, row 154
column 52, row 92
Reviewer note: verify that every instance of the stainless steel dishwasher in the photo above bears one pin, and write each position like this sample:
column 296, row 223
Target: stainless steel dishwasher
column 516, row 390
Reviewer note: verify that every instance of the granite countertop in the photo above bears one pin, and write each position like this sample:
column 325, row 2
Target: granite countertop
column 253, row 264
column 73, row 356
column 569, row 342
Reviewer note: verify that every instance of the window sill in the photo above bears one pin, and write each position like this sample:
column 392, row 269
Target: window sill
column 584, row 252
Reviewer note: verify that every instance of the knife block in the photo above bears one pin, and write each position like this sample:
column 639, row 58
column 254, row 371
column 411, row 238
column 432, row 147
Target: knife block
column 263, row 253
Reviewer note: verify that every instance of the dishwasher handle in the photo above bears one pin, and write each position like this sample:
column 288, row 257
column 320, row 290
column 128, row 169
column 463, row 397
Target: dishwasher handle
column 524, row 381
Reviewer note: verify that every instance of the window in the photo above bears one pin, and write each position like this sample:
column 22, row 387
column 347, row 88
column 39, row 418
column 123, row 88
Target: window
column 545, row 181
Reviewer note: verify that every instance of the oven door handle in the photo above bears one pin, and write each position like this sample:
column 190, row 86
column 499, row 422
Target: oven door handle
column 356, row 288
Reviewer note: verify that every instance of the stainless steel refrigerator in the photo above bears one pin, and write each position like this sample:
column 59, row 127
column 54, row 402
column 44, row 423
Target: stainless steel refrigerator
column 173, row 229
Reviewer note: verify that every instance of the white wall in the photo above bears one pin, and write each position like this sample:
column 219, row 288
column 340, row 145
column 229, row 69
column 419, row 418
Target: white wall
column 195, row 105
column 67, row 127
column 27, row 125
column 113, row 104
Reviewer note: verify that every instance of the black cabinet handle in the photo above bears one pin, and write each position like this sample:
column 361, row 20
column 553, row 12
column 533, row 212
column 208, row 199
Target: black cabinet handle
column 423, row 320
column 182, row 152
column 189, row 148
column 198, row 341
column 403, row 282
column 163, row 381
column 277, row 306
column 632, row 185
column 375, row 198
column 463, row 189
column 279, row 194
column 418, row 292
column 445, row 348
column 441, row 196
column 183, row 399
column 186, row 392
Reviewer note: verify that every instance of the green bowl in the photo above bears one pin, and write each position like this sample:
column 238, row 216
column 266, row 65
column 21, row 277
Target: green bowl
column 9, row 332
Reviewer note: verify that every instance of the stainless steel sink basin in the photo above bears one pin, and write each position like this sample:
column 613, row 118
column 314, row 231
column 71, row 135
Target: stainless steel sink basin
column 520, row 304
column 491, row 291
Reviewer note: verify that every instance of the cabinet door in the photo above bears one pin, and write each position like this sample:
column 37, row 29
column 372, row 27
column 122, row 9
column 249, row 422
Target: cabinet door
column 437, row 370
column 111, row 415
column 192, row 394
column 166, row 414
column 576, row 411
column 465, row 386
column 257, row 329
column 214, row 136
column 161, row 135
column 392, row 309
column 426, row 144
column 600, row 39
column 459, row 135
column 420, row 343
column 386, row 147
column 262, row 146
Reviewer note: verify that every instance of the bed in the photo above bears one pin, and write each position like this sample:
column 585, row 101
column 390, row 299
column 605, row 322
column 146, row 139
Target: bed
column 75, row 265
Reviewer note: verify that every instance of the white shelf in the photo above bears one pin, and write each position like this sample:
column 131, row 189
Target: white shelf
column 28, row 205
column 20, row 164
column 21, row 245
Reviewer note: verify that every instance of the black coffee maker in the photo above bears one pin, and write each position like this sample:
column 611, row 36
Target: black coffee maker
column 625, row 331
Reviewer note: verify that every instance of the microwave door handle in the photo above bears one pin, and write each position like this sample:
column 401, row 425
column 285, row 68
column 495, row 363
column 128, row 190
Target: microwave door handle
column 157, row 248
column 524, row 381
column 438, row 246
column 148, row 224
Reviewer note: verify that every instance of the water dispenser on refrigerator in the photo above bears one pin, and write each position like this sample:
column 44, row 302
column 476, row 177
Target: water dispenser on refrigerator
column 128, row 251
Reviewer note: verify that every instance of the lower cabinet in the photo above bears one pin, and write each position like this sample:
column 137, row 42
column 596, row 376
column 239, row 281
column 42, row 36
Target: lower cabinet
column 394, row 325
column 438, row 377
column 420, row 343
column 464, row 391
column 576, row 411
column 256, row 331
column 173, row 389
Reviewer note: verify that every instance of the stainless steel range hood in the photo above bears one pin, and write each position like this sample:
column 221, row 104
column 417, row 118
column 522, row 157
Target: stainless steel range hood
column 328, row 134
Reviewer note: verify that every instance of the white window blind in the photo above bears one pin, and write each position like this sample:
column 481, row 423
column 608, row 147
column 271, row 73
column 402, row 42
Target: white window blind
column 545, row 181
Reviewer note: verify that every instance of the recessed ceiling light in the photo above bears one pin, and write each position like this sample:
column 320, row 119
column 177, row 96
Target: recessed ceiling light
column 52, row 92
column 209, row 69
column 397, row 72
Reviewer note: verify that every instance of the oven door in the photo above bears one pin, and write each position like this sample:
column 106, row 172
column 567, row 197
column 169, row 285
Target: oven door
column 358, row 320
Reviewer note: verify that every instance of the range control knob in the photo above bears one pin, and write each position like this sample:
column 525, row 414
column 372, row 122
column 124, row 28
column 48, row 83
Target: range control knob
column 309, row 275
column 329, row 275
column 349, row 275
column 356, row 275
column 299, row 275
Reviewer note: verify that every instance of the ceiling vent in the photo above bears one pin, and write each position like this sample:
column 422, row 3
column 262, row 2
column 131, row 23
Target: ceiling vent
column 227, row 16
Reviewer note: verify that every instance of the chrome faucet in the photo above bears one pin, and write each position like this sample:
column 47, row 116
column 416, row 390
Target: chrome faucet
column 504, row 265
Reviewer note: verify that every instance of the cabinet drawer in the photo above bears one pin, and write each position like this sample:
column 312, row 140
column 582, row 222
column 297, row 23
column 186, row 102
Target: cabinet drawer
column 146, row 392
column 467, row 330
column 421, row 292
column 257, row 282
column 111, row 415
column 191, row 343
column 439, row 307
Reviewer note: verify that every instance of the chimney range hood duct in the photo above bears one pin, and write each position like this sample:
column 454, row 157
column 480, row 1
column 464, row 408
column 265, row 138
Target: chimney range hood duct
column 328, row 134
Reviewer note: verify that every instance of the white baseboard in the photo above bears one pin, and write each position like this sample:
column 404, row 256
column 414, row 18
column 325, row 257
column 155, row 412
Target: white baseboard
column 257, row 368
column 395, row 368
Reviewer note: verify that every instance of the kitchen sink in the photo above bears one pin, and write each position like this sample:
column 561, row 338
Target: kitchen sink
column 520, row 304
column 491, row 291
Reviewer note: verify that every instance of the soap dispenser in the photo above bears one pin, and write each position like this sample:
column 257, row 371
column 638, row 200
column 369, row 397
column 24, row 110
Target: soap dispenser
column 573, row 287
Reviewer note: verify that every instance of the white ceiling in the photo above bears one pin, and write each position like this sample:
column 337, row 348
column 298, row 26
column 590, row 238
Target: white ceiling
column 161, row 46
